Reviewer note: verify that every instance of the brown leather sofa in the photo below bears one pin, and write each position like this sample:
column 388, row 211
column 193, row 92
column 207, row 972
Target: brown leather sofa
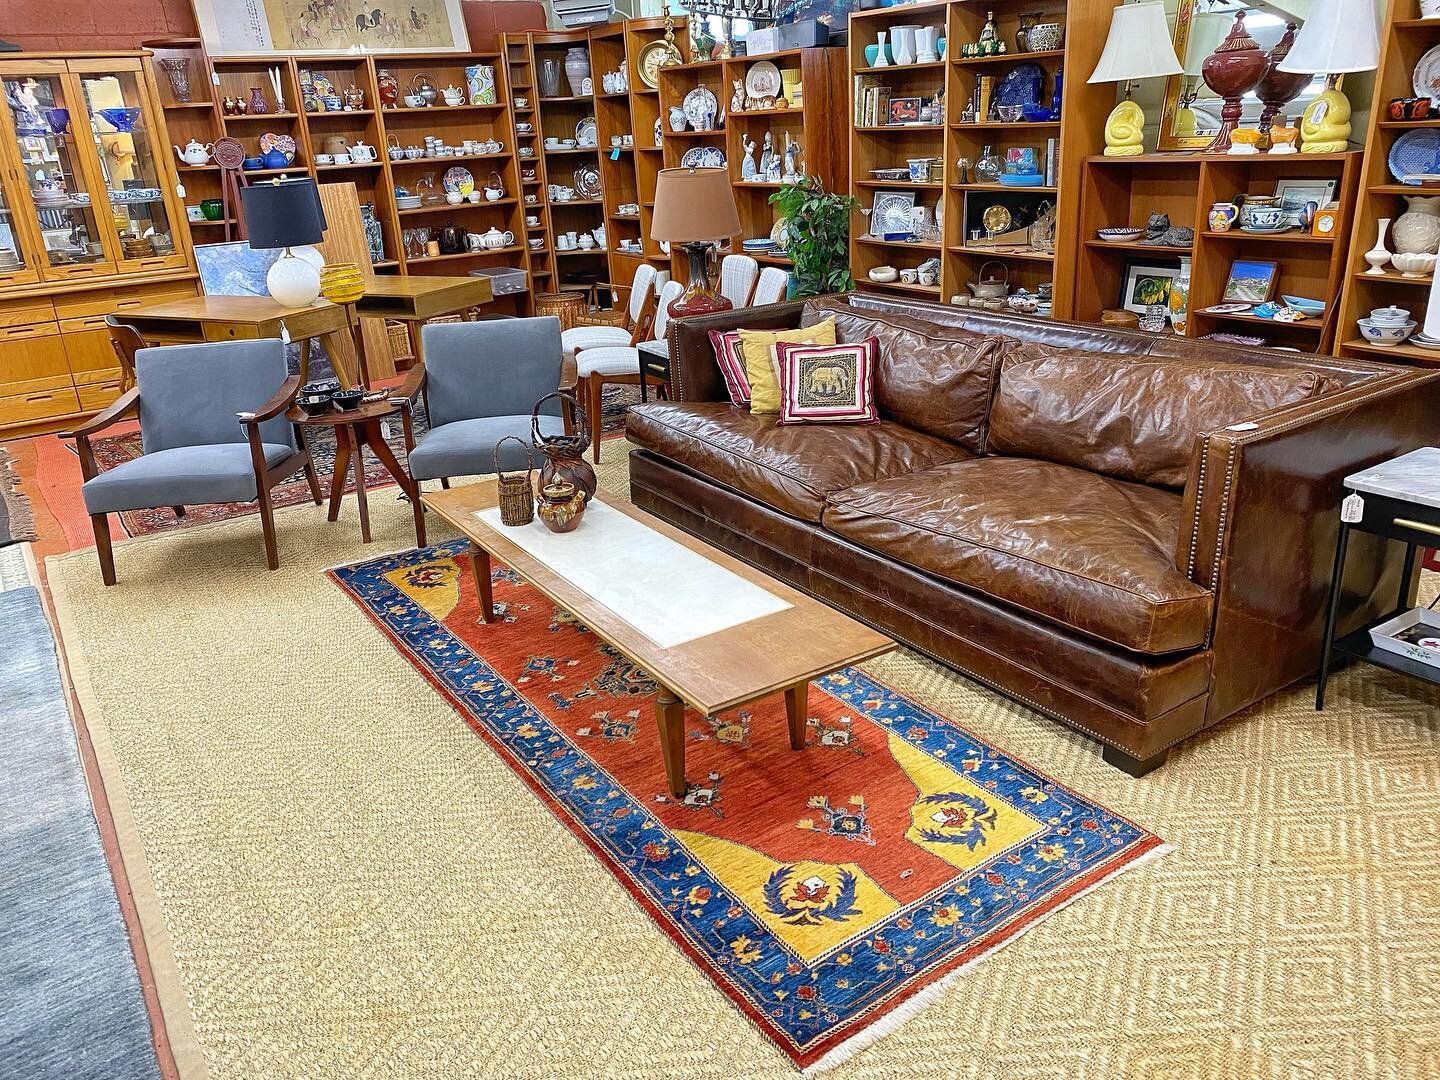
column 1137, row 544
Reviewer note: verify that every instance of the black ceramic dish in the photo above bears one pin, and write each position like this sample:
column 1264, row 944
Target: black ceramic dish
column 313, row 404
column 347, row 400
column 325, row 388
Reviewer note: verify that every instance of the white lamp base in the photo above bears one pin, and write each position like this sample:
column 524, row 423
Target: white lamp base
column 293, row 281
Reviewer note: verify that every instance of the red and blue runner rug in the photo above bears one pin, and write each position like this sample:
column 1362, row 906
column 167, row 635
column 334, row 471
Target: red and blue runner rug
column 829, row 892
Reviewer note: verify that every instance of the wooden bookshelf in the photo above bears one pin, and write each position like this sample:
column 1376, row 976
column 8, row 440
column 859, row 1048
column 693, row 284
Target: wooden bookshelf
column 1404, row 38
column 1125, row 191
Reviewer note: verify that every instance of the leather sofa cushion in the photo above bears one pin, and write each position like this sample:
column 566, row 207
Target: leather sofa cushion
column 937, row 379
column 1129, row 417
column 789, row 468
column 1082, row 550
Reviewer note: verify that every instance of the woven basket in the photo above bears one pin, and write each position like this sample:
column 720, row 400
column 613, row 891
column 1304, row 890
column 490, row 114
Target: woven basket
column 399, row 336
column 517, row 490
column 566, row 306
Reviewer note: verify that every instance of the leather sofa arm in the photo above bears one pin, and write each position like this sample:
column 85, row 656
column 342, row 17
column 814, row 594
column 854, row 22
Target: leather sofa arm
column 1260, row 517
column 694, row 374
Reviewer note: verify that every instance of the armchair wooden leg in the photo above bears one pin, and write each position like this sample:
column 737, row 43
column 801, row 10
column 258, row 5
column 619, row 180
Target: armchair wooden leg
column 179, row 511
column 101, row 524
column 594, row 392
column 313, row 481
column 267, row 526
column 445, row 482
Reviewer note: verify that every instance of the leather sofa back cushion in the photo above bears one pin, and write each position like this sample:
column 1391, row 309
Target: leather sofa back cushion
column 1130, row 418
column 936, row 379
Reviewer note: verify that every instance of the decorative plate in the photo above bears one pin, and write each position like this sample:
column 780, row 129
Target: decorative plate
column 653, row 57
column 458, row 179
column 267, row 142
column 701, row 108
column 1021, row 86
column 703, row 157
column 229, row 152
column 1227, row 309
column 763, row 80
column 659, row 132
column 1415, row 152
column 780, row 233
column 890, row 212
column 586, row 132
column 587, row 182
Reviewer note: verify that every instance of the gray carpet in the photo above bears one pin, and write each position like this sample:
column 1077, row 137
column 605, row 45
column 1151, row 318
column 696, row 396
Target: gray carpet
column 72, row 1003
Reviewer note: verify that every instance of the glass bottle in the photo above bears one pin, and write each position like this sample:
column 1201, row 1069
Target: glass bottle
column 988, row 166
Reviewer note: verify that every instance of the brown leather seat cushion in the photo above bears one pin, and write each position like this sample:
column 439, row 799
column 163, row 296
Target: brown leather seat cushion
column 937, row 379
column 790, row 468
column 1082, row 550
column 1129, row 417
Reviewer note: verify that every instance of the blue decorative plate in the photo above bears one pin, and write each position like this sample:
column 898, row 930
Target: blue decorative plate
column 1416, row 151
column 1021, row 86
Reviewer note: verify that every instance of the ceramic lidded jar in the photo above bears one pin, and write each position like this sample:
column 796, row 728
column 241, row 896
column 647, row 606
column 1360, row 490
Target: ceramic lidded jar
column 577, row 69
column 1418, row 229
column 560, row 506
column 1235, row 67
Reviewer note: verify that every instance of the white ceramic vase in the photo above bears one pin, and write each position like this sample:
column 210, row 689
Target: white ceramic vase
column 925, row 39
column 577, row 70
column 904, row 49
column 1378, row 255
column 881, row 59
column 1417, row 230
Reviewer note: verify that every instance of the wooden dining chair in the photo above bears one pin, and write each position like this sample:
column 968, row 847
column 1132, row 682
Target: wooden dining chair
column 126, row 341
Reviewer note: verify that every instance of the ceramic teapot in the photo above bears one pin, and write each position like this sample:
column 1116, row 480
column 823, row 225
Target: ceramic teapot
column 494, row 190
column 195, row 153
column 335, row 144
column 275, row 158
column 990, row 288
column 362, row 153
column 454, row 95
column 677, row 118
column 494, row 238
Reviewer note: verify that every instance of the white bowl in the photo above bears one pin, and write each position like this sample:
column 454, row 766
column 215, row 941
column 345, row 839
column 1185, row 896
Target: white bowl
column 1385, row 336
column 1413, row 264
column 884, row 273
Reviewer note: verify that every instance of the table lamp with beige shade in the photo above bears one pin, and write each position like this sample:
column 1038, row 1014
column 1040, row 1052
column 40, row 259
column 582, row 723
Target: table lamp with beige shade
column 695, row 208
column 1339, row 36
column 1138, row 47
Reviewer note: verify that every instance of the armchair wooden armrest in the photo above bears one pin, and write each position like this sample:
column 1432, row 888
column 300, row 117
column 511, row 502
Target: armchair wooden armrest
column 596, row 286
column 283, row 399
column 119, row 409
column 413, row 384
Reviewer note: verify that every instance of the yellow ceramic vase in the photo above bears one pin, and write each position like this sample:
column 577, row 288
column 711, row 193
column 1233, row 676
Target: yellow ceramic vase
column 341, row 283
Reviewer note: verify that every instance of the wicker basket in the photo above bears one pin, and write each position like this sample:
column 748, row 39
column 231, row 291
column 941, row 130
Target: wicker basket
column 517, row 490
column 398, row 334
column 566, row 306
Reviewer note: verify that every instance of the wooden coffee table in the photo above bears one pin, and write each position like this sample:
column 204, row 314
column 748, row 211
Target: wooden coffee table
column 713, row 632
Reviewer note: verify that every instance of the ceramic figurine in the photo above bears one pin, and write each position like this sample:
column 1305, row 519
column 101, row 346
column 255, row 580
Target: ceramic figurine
column 737, row 100
column 1243, row 141
column 1283, row 140
column 792, row 160
column 769, row 160
column 388, row 87
column 748, row 170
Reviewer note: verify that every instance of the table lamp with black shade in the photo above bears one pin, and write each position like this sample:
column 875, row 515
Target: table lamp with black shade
column 287, row 214
column 695, row 208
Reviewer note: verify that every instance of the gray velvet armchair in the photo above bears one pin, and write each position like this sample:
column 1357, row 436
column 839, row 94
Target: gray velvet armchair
column 212, row 430
column 481, row 381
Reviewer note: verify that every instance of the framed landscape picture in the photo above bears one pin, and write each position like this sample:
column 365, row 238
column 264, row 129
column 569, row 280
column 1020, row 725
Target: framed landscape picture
column 1251, row 281
column 1145, row 285
column 258, row 27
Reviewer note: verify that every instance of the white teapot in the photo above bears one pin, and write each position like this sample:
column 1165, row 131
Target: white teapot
column 195, row 152
column 496, row 239
column 454, row 95
column 361, row 153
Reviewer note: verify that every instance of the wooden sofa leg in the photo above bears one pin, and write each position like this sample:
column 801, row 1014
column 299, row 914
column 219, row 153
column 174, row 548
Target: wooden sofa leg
column 1136, row 767
column 101, row 524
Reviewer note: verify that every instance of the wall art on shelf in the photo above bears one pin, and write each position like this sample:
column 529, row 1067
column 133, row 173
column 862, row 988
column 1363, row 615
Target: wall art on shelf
column 258, row 27
column 1146, row 284
column 1251, row 281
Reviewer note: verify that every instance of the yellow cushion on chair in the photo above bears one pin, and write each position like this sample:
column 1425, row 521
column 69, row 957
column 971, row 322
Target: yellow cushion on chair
column 761, row 369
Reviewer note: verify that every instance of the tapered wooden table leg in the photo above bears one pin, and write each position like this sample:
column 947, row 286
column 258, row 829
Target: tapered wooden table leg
column 381, row 449
column 357, row 466
column 480, row 567
column 337, row 474
column 670, row 715
column 796, row 699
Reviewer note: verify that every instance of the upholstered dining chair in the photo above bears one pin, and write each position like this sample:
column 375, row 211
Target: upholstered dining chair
column 772, row 286
column 616, row 364
column 590, row 336
column 481, row 381
column 737, row 278
column 212, row 430
column 126, row 341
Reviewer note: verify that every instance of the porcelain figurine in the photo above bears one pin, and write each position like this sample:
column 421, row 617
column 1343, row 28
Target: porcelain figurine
column 748, row 171
column 1125, row 131
column 769, row 160
column 737, row 100
column 792, row 160
column 389, row 89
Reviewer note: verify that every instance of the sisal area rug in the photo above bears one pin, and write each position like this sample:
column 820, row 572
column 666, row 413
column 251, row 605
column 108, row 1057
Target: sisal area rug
column 16, row 523
column 830, row 892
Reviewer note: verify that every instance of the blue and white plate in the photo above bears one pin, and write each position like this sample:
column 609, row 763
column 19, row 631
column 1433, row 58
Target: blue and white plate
column 1021, row 85
column 1414, row 152
column 703, row 157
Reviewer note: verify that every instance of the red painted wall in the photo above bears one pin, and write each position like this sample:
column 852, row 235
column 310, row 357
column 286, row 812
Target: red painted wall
column 89, row 25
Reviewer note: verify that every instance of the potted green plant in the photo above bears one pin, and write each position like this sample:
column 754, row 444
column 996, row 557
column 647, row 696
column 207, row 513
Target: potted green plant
column 817, row 237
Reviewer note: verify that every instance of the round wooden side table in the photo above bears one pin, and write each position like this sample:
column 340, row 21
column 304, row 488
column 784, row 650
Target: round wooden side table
column 356, row 429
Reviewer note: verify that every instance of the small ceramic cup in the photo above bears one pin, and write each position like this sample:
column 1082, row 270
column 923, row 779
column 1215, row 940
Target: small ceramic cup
column 909, row 276
column 324, row 159
column 342, row 159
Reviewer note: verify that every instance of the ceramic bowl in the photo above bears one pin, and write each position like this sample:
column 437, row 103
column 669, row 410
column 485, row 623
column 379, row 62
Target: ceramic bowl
column 1413, row 264
column 884, row 273
column 1308, row 306
column 1045, row 37
column 1385, row 335
column 347, row 399
column 313, row 405
column 321, row 386
column 1010, row 113
column 1389, row 316
column 1120, row 235
column 253, row 163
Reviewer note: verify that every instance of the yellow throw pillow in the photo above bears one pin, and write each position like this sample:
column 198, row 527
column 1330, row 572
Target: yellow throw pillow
column 762, row 370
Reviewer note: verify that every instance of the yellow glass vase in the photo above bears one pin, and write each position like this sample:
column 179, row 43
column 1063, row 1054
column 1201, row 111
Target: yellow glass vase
column 342, row 283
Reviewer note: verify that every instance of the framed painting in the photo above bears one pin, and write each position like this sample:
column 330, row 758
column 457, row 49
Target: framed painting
column 1251, row 281
column 260, row 27
column 1145, row 285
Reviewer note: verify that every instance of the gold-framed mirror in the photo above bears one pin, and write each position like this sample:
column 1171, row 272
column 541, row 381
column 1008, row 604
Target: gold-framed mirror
column 1190, row 116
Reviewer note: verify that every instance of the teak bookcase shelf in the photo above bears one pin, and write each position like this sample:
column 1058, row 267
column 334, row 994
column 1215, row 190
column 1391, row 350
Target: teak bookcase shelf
column 1127, row 190
column 1078, row 132
column 1404, row 38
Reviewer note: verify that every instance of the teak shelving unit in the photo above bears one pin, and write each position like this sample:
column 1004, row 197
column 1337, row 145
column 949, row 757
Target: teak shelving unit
column 1078, row 131
column 1404, row 38
column 1127, row 190
column 818, row 125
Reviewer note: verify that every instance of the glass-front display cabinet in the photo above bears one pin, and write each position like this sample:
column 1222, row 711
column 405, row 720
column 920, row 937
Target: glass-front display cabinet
column 86, row 192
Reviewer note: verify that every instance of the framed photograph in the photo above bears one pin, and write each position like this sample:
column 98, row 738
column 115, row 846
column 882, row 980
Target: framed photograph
column 1251, row 281
column 1295, row 193
column 904, row 110
column 261, row 27
column 1145, row 285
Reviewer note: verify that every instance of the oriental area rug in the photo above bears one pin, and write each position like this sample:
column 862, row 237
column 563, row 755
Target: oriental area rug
column 830, row 892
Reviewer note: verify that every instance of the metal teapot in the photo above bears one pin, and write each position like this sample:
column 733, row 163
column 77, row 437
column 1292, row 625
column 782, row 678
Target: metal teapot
column 990, row 288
